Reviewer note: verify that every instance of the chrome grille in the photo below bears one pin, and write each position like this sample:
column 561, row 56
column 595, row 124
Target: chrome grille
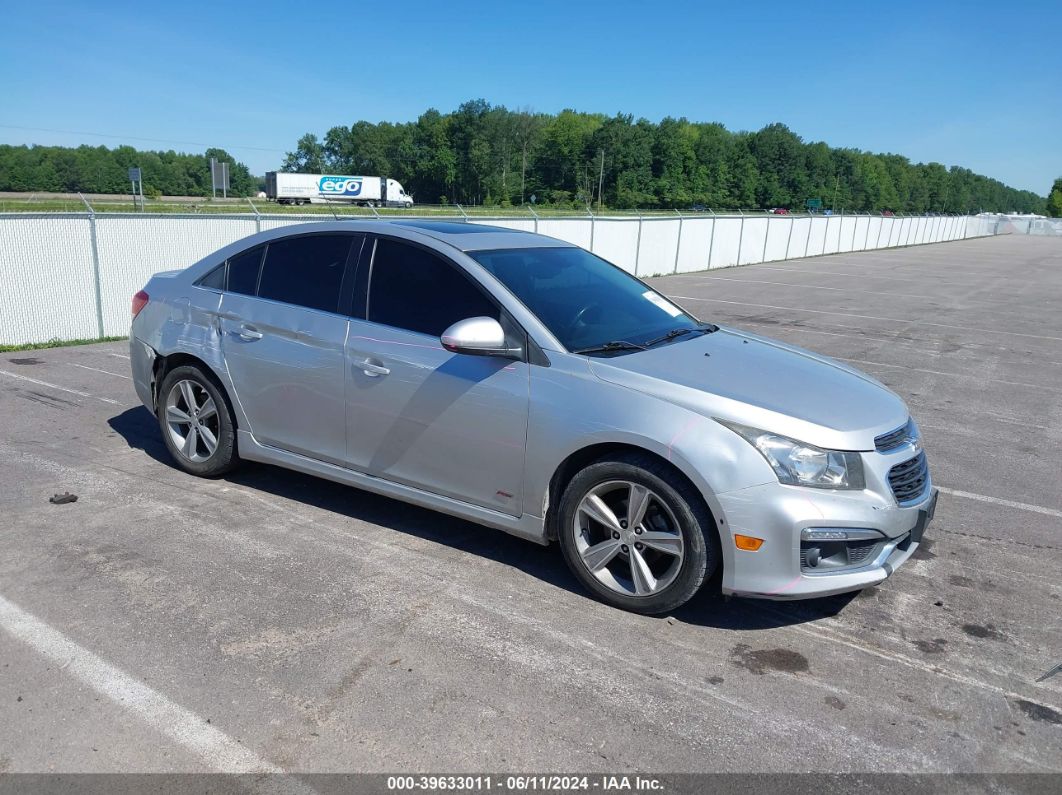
column 908, row 480
column 895, row 439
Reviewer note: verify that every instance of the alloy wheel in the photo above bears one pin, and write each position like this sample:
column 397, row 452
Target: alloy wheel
column 628, row 538
column 192, row 420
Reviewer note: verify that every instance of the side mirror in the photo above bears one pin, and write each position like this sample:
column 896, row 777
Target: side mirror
column 478, row 336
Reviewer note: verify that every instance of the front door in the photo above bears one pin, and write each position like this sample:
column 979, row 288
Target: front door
column 451, row 424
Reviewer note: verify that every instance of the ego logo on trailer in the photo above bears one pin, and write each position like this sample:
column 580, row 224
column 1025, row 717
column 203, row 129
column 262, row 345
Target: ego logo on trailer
column 340, row 186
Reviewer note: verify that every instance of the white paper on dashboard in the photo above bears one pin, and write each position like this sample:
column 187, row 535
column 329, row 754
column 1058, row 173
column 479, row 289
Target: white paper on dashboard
column 656, row 300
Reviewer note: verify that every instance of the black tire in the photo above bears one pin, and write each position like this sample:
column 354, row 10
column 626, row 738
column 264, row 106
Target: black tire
column 701, row 553
column 224, row 457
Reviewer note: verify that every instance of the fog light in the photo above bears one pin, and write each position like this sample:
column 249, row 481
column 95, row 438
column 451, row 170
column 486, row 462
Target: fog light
column 813, row 534
column 813, row 556
column 747, row 543
column 838, row 534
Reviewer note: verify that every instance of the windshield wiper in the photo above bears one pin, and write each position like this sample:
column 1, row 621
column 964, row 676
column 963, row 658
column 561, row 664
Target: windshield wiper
column 615, row 345
column 706, row 328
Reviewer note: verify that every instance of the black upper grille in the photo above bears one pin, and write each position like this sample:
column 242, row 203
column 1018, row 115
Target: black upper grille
column 908, row 480
column 893, row 439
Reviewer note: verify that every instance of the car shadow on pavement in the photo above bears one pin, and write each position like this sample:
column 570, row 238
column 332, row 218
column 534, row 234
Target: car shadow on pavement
column 710, row 609
column 140, row 430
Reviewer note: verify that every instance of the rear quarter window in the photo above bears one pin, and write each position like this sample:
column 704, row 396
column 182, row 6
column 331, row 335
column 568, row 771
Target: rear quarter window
column 215, row 280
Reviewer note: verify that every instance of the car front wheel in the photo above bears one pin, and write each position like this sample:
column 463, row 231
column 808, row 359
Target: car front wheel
column 636, row 534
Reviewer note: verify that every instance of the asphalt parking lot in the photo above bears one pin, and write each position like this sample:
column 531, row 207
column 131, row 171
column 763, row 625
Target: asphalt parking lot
column 270, row 621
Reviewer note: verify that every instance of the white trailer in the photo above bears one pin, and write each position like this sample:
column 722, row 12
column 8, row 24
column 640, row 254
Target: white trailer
column 285, row 188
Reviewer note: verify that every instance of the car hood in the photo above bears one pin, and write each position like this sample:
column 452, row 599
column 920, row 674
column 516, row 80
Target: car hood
column 764, row 383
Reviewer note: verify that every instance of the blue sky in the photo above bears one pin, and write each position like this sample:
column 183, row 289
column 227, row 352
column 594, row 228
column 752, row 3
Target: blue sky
column 977, row 84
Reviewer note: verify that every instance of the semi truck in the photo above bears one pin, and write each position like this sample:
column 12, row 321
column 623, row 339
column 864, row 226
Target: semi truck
column 287, row 188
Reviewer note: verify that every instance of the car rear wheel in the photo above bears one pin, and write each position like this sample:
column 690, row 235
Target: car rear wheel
column 196, row 422
column 636, row 534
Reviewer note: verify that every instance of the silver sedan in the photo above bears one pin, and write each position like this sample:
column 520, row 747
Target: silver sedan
column 527, row 385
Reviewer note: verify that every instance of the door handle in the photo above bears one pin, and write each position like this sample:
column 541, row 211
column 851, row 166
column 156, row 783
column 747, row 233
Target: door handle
column 246, row 332
column 371, row 369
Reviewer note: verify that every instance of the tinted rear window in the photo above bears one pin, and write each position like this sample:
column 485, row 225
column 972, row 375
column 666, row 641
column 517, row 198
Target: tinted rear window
column 306, row 271
column 243, row 271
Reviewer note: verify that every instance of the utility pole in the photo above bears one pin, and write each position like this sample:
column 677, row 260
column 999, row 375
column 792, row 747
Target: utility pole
column 600, row 180
column 523, row 174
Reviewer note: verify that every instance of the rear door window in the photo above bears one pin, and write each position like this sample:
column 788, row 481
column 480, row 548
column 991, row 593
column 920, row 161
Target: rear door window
column 243, row 271
column 413, row 289
column 305, row 271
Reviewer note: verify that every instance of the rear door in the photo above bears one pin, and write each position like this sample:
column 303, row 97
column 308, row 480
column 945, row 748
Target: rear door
column 447, row 423
column 283, row 341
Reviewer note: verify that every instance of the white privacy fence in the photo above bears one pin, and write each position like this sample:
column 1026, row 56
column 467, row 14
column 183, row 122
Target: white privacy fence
column 1028, row 225
column 72, row 275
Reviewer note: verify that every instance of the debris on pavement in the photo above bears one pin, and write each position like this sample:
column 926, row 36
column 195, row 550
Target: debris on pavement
column 1050, row 673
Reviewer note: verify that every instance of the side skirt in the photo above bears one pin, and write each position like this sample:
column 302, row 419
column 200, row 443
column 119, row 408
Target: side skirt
column 528, row 527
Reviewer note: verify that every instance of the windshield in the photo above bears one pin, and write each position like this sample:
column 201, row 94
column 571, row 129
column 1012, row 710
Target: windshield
column 585, row 301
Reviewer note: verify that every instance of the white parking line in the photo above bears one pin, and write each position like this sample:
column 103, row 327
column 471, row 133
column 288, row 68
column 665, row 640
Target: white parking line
column 98, row 370
column 1021, row 506
column 796, row 326
column 119, row 355
column 831, row 272
column 798, row 329
column 809, row 286
column 864, row 317
column 181, row 725
column 56, row 386
column 953, row 375
column 823, row 632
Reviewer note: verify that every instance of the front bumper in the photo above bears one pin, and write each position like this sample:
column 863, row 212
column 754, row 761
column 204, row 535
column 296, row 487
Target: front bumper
column 778, row 513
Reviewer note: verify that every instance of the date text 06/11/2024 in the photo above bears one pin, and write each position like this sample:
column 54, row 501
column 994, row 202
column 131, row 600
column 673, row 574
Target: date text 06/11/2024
column 524, row 783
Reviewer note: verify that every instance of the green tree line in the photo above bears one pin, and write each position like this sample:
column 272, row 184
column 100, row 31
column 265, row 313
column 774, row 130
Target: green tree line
column 484, row 154
column 97, row 169
column 1054, row 199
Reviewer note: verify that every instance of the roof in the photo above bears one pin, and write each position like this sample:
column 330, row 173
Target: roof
column 468, row 236
column 462, row 236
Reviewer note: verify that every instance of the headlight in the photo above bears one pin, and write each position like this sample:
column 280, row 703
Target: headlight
column 799, row 464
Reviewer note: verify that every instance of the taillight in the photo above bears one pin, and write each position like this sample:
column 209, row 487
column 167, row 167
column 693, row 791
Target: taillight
column 140, row 300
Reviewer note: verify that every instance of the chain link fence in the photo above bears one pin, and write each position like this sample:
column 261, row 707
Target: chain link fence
column 71, row 275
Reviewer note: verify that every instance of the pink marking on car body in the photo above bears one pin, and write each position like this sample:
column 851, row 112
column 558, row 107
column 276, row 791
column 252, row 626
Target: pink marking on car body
column 394, row 342
column 783, row 588
column 681, row 432
column 509, row 368
column 813, row 505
